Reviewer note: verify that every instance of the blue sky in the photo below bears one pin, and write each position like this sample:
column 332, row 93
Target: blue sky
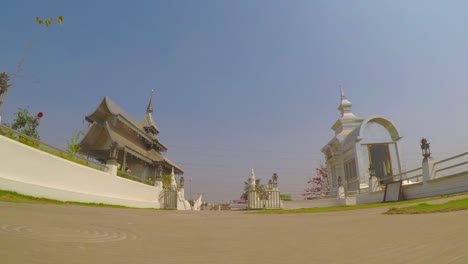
column 242, row 84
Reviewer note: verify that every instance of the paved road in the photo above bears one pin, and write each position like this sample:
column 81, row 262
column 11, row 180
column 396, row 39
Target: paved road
column 74, row 234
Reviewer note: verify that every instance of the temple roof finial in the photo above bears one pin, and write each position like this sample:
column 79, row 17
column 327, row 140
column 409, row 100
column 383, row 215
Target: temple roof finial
column 345, row 105
column 149, row 109
column 342, row 93
column 252, row 180
column 148, row 123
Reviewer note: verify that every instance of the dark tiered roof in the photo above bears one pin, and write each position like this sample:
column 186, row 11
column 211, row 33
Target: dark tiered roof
column 110, row 123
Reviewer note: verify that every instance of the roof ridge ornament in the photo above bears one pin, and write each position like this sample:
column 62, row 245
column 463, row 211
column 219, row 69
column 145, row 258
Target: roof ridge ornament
column 149, row 109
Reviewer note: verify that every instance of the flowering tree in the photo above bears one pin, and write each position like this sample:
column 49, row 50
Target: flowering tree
column 26, row 123
column 318, row 185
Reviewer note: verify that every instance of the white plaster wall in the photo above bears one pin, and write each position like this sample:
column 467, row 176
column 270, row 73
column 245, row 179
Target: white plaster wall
column 448, row 185
column 367, row 198
column 456, row 183
column 33, row 172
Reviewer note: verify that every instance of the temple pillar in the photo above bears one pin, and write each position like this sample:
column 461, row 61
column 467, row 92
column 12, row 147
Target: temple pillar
column 124, row 162
column 112, row 161
column 373, row 184
column 158, row 177
column 341, row 192
column 112, row 166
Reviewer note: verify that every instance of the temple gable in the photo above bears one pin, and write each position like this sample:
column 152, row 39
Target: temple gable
column 115, row 135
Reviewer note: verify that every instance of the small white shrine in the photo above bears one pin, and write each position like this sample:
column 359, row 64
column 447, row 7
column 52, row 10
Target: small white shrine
column 361, row 148
column 174, row 196
column 263, row 197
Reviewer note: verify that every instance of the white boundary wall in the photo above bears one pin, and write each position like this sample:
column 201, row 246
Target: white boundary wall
column 33, row 172
column 457, row 183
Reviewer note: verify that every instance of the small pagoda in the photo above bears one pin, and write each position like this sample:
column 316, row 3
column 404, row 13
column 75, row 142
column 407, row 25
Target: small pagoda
column 114, row 137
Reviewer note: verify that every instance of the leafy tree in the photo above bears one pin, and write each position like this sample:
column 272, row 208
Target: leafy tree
column 262, row 193
column 72, row 146
column 166, row 182
column 48, row 22
column 285, row 197
column 246, row 188
column 4, row 82
column 319, row 185
column 26, row 124
column 4, row 86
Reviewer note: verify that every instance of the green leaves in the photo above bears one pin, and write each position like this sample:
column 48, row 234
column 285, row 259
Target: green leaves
column 49, row 21
column 73, row 146
column 24, row 123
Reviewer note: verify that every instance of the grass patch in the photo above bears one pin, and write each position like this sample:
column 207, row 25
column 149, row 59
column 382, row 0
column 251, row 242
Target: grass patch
column 425, row 208
column 43, row 147
column 13, row 197
column 346, row 207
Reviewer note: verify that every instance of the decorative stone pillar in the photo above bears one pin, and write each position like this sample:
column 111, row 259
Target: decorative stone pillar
column 112, row 166
column 158, row 177
column 373, row 183
column 341, row 192
column 428, row 166
column 428, row 170
column 112, row 161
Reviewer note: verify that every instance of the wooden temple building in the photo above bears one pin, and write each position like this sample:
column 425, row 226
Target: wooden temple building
column 114, row 137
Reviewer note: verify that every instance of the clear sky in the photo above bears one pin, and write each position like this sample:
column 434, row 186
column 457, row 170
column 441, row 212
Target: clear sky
column 242, row 84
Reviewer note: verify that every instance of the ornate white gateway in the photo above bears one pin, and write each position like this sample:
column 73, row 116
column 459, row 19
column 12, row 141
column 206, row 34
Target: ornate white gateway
column 362, row 151
column 263, row 197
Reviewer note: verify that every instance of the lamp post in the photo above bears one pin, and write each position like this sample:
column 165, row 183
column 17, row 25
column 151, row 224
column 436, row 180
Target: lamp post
column 190, row 187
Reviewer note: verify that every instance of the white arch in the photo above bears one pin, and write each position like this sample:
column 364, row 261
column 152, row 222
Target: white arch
column 385, row 122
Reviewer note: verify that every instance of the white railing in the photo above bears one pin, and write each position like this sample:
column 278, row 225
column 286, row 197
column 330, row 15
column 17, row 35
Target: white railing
column 406, row 175
column 451, row 164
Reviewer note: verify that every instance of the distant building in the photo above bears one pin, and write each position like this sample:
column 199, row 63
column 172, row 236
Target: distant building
column 114, row 136
column 361, row 147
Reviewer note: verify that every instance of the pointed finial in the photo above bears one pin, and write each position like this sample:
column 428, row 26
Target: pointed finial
column 252, row 178
column 149, row 109
column 342, row 93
